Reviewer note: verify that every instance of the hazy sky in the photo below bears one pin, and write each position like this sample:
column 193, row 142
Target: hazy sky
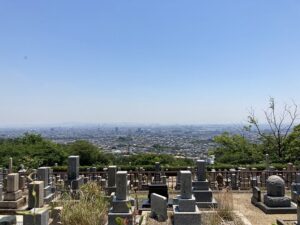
column 158, row 61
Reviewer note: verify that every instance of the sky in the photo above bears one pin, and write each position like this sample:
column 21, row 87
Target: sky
column 133, row 61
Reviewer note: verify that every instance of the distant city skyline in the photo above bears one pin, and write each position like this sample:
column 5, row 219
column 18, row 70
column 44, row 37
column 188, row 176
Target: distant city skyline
column 158, row 62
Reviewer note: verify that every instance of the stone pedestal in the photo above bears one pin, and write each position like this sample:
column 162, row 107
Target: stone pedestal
column 37, row 216
column 13, row 198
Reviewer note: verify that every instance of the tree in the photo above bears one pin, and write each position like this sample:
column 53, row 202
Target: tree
column 293, row 141
column 280, row 125
column 236, row 149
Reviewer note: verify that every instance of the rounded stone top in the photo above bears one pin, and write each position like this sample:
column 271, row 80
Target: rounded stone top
column 275, row 186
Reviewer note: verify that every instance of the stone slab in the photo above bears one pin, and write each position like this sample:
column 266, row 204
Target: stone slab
column 12, row 182
column 12, row 196
column 277, row 201
column 36, row 201
column 203, row 195
column 277, row 210
column 112, row 217
column 121, row 185
column 73, row 167
column 111, row 175
column 13, row 204
column 159, row 206
column 186, row 184
column 38, row 216
column 121, row 206
column 186, row 218
column 200, row 185
column 76, row 184
column 43, row 175
column 207, row 205
column 186, row 205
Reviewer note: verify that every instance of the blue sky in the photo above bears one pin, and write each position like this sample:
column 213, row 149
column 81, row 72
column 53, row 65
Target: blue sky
column 152, row 61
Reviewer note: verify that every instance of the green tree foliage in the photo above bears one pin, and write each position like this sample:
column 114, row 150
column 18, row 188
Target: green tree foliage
column 89, row 153
column 31, row 150
column 293, row 145
column 236, row 149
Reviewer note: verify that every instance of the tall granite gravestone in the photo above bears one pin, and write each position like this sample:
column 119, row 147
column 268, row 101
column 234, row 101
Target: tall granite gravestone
column 111, row 179
column 13, row 198
column 275, row 201
column 43, row 174
column 159, row 206
column 121, row 203
column 295, row 192
column 36, row 200
column 10, row 165
column 157, row 186
column 201, row 190
column 186, row 212
column 74, row 180
column 234, row 182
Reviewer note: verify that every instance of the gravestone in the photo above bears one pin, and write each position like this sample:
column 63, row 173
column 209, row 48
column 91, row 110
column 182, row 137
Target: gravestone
column 186, row 211
column 159, row 206
column 111, row 179
column 13, row 198
column 177, row 187
column 157, row 174
column 36, row 200
column 121, row 203
column 10, row 165
column 74, row 180
column 275, row 201
column 201, row 189
column 43, row 174
column 295, row 192
column 37, row 216
column 256, row 195
column 157, row 186
column 234, row 182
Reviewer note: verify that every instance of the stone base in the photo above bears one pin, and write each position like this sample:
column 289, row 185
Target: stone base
column 186, row 205
column 277, row 201
column 12, row 196
column 38, row 216
column 13, row 204
column 121, row 206
column 203, row 195
column 113, row 216
column 188, row 218
column 75, row 184
column 277, row 210
column 200, row 185
column 207, row 205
